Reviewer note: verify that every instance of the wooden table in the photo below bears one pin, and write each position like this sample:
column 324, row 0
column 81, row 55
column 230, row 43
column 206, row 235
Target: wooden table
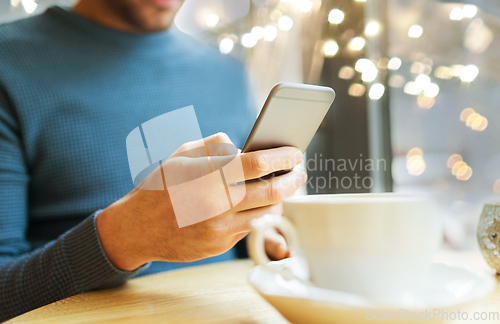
column 217, row 293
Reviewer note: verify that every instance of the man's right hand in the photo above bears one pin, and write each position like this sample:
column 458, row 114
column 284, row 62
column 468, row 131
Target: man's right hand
column 142, row 227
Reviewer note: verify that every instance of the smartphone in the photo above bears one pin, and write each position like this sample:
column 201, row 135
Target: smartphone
column 291, row 116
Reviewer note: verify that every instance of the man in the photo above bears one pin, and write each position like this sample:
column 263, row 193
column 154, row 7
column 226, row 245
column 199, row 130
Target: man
column 73, row 84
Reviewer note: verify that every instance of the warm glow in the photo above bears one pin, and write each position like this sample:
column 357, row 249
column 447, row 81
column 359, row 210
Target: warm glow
column 376, row 91
column 248, row 40
column 412, row 88
column 29, row 5
column 415, row 163
column 330, row 48
column 479, row 124
column 464, row 173
column 456, row 70
column 470, row 119
column 305, row 5
column 466, row 113
column 285, row 23
column 212, row 20
column 394, row 63
column 422, row 81
column 346, row 73
column 425, row 102
column 226, row 45
column 416, row 151
column 496, row 186
column 462, row 170
column 469, row 11
column 456, row 14
column 258, row 32
column 469, row 73
column 372, row 28
column 369, row 72
column 415, row 31
column 336, row 16
column 363, row 64
column 357, row 43
column 431, row 90
column 443, row 72
column 473, row 120
column 270, row 33
column 356, row 90
column 454, row 159
column 275, row 15
column 416, row 166
column 457, row 166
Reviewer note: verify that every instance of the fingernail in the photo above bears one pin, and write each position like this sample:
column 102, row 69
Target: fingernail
column 298, row 156
column 303, row 175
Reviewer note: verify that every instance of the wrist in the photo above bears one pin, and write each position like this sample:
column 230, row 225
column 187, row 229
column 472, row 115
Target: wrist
column 117, row 242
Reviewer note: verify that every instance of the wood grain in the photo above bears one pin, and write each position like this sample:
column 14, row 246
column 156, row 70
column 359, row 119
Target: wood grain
column 217, row 293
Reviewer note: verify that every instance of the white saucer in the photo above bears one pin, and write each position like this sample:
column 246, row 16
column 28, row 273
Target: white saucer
column 448, row 286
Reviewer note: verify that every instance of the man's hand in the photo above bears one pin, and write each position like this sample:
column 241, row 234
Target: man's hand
column 142, row 227
column 275, row 245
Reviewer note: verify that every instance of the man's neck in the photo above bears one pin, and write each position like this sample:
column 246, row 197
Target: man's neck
column 102, row 13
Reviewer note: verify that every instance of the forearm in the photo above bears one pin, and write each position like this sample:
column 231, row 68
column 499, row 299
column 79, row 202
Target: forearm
column 72, row 264
column 122, row 242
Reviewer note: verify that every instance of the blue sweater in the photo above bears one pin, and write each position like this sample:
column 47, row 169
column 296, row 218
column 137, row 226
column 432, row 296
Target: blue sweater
column 70, row 92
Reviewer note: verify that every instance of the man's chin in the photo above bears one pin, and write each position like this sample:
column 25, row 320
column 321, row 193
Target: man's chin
column 154, row 28
column 166, row 4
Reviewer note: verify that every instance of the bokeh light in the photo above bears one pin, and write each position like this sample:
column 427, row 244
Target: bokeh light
column 372, row 28
column 356, row 90
column 394, row 63
column 248, row 40
column 330, row 48
column 376, row 91
column 285, row 23
column 415, row 163
column 346, row 73
column 415, row 31
column 469, row 73
column 357, row 43
column 212, row 20
column 454, row 158
column 226, row 45
column 336, row 16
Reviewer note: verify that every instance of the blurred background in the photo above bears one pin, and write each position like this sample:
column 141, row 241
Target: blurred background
column 417, row 82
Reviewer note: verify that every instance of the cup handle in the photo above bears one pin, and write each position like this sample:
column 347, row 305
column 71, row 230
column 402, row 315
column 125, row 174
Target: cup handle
column 255, row 243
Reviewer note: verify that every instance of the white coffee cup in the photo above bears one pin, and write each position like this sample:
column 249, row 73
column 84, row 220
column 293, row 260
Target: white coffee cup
column 378, row 246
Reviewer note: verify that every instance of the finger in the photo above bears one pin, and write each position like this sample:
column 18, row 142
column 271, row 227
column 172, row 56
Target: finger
column 216, row 144
column 220, row 145
column 272, row 191
column 260, row 163
column 218, row 138
column 238, row 237
column 275, row 246
column 242, row 219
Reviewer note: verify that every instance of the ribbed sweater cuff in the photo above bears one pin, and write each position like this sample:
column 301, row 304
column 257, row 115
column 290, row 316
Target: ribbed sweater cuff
column 90, row 267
